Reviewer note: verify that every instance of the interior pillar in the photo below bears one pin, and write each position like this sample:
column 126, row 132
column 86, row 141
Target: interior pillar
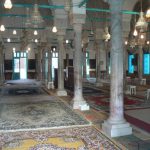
column 39, row 65
column 116, row 125
column 140, row 68
column 78, row 100
column 99, row 48
column 61, row 91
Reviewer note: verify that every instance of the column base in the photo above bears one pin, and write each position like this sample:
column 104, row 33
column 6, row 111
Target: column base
column 61, row 93
column 80, row 104
column 50, row 85
column 116, row 130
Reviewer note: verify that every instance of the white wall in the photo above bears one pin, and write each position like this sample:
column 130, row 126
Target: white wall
column 8, row 51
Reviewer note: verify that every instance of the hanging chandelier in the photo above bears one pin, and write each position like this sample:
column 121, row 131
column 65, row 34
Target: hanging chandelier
column 28, row 21
column 36, row 17
column 141, row 23
column 8, row 4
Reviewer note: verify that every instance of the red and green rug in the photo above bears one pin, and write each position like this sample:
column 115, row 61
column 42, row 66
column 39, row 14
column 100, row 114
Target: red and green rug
column 102, row 102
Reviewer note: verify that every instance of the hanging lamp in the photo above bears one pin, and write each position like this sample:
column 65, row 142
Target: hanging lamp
column 36, row 16
column 54, row 29
column 14, row 32
column 2, row 28
column 106, row 35
column 8, row 4
column 141, row 23
column 148, row 13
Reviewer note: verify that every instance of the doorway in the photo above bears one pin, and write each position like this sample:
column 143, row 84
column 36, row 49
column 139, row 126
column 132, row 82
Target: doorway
column 19, row 65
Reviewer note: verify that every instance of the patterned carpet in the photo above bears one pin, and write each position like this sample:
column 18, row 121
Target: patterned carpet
column 79, row 138
column 37, row 115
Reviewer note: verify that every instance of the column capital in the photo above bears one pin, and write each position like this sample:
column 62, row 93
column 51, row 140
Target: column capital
column 77, row 18
column 61, row 32
column 60, row 37
column 77, row 27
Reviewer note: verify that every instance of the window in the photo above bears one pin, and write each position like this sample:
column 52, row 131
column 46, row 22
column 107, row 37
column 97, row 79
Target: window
column 54, row 62
column 146, row 63
column 87, row 65
column 130, row 63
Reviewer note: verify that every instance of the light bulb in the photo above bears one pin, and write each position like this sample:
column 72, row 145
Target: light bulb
column 2, row 28
column 54, row 29
column 147, row 42
column 8, row 4
column 126, row 42
column 14, row 48
column 36, row 40
column 14, row 32
column 67, row 41
column 142, row 36
column 135, row 33
column 148, row 13
column 54, row 49
column 35, row 32
column 8, row 40
column 29, row 48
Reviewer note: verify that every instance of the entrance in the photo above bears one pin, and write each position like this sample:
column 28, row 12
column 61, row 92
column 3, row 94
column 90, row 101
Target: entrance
column 19, row 65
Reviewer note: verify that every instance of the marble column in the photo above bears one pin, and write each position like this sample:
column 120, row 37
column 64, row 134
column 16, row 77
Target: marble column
column 50, row 83
column 61, row 91
column 116, row 125
column 39, row 65
column 2, row 76
column 1, row 66
column 84, row 63
column 140, row 63
column 125, row 61
column 78, row 100
column 43, row 68
column 99, row 47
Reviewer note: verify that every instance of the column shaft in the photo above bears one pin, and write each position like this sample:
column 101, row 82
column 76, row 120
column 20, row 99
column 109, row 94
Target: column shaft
column 84, row 63
column 49, row 65
column 61, row 91
column 78, row 100
column 116, row 124
column 1, row 67
column 140, row 68
column 39, row 64
column 99, row 48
